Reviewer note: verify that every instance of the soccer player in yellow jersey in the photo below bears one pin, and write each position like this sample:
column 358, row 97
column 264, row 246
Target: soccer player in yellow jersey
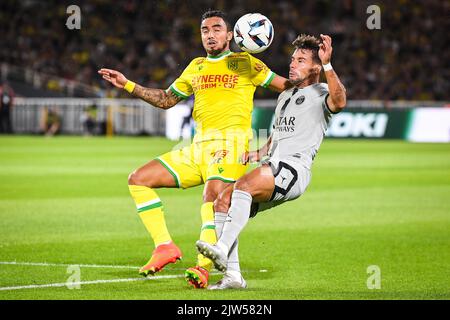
column 223, row 84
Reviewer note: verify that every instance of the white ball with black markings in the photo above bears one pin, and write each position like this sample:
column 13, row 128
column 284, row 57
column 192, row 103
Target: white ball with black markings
column 253, row 32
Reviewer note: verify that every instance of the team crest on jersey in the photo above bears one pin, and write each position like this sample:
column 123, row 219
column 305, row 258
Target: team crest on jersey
column 233, row 65
column 300, row 100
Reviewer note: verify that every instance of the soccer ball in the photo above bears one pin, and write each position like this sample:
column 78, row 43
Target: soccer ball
column 253, row 32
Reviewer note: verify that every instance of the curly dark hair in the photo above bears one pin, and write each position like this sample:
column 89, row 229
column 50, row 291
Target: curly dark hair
column 308, row 42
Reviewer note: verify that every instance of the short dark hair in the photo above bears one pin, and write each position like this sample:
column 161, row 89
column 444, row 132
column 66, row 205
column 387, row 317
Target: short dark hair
column 308, row 42
column 217, row 13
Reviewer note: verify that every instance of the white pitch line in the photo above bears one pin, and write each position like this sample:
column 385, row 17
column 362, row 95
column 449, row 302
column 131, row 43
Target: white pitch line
column 101, row 266
column 73, row 284
column 44, row 264
column 105, row 266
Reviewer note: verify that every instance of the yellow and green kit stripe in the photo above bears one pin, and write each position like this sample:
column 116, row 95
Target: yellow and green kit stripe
column 150, row 209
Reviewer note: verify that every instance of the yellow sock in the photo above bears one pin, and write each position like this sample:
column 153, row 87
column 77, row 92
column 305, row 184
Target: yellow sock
column 150, row 211
column 208, row 232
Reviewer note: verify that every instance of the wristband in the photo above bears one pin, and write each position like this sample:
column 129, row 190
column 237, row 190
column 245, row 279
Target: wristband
column 129, row 86
column 327, row 67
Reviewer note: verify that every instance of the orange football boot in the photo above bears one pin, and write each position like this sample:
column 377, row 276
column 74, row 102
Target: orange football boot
column 161, row 256
column 197, row 277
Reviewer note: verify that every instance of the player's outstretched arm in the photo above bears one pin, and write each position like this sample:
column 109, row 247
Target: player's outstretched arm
column 279, row 84
column 337, row 99
column 156, row 97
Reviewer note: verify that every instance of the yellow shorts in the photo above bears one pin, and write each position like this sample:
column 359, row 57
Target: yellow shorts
column 207, row 160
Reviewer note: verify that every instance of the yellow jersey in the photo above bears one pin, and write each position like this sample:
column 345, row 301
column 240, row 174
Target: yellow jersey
column 223, row 87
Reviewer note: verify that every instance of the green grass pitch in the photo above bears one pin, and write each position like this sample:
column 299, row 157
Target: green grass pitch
column 64, row 201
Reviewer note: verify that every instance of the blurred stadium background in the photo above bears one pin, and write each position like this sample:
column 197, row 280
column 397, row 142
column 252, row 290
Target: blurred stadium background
column 64, row 199
column 403, row 65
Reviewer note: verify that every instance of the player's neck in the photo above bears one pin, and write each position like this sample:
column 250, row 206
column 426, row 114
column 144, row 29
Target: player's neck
column 307, row 82
column 219, row 55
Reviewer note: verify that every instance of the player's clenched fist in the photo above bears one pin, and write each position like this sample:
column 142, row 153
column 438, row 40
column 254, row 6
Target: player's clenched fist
column 113, row 76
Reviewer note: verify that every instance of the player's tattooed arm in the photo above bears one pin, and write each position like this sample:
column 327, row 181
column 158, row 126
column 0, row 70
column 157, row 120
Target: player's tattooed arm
column 337, row 98
column 156, row 97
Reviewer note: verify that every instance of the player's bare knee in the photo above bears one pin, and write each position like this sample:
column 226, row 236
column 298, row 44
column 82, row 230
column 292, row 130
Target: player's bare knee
column 132, row 179
column 242, row 185
column 135, row 179
column 209, row 196
column 221, row 204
